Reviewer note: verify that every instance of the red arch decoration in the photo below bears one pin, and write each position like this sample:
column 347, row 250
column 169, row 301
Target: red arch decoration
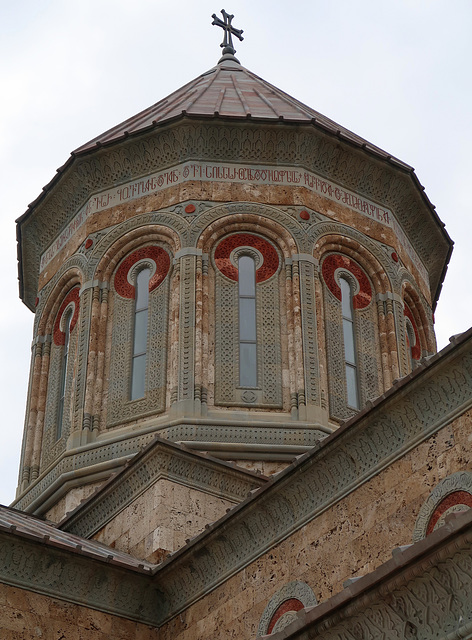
column 157, row 254
column 226, row 246
column 416, row 350
column 457, row 497
column 59, row 336
column 293, row 604
column 337, row 261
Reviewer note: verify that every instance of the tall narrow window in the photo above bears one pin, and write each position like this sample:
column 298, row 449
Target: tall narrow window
column 63, row 379
column 411, row 342
column 350, row 358
column 247, row 322
column 141, row 309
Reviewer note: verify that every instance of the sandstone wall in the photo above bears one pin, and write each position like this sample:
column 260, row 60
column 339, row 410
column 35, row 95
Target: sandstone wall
column 30, row 616
column 161, row 519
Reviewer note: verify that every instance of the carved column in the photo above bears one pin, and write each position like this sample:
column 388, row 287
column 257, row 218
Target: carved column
column 394, row 309
column 187, row 335
column 81, row 424
column 41, row 409
column 100, row 359
column 92, row 358
column 292, row 361
column 385, row 354
column 311, row 368
column 31, row 413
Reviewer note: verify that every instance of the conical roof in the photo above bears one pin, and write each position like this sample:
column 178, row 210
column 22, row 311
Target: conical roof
column 228, row 90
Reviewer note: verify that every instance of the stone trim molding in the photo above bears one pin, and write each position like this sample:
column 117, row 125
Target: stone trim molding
column 296, row 589
column 74, row 577
column 161, row 459
column 460, row 481
column 246, row 439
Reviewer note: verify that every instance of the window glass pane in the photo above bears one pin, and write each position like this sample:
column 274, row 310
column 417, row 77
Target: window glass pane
column 247, row 365
column 351, row 381
column 247, row 279
column 140, row 331
column 247, row 318
column 346, row 296
column 138, row 377
column 142, row 289
column 349, row 353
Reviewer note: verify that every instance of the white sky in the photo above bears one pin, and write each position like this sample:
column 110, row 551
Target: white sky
column 397, row 73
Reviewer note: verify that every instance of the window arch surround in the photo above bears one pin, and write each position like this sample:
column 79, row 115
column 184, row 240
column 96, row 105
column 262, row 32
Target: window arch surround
column 110, row 251
column 286, row 246
column 382, row 286
column 50, row 309
column 416, row 309
column 247, row 321
column 60, row 412
column 333, row 243
column 138, row 357
column 352, row 335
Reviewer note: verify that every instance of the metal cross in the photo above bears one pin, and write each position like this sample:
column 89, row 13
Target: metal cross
column 229, row 30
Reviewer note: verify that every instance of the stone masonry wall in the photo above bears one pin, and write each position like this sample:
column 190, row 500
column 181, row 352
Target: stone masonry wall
column 29, row 616
column 161, row 520
column 352, row 538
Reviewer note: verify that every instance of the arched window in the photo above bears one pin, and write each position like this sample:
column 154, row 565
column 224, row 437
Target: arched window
column 410, row 342
column 247, row 322
column 350, row 355
column 412, row 338
column 59, row 409
column 138, row 356
column 352, row 336
column 140, row 331
column 63, row 373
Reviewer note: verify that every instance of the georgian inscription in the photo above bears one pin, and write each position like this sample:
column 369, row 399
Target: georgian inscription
column 225, row 172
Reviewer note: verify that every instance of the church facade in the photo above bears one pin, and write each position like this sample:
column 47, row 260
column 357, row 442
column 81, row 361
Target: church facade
column 237, row 422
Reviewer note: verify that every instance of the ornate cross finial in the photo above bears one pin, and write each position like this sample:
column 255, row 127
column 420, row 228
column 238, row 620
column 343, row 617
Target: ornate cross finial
column 229, row 30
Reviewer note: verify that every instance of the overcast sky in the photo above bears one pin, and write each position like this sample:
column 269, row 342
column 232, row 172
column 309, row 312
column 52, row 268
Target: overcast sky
column 397, row 73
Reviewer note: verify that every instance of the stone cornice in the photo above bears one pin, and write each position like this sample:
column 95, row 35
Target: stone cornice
column 75, row 577
column 309, row 146
column 161, row 459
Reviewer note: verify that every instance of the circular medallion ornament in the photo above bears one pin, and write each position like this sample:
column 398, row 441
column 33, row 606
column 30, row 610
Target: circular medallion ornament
column 394, row 256
column 190, row 208
column 304, row 215
column 72, row 298
column 453, row 494
column 88, row 243
column 337, row 261
column 228, row 245
column 154, row 254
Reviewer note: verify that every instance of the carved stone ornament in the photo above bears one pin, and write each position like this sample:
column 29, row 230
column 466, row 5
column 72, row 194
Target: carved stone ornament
column 282, row 607
column 452, row 494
